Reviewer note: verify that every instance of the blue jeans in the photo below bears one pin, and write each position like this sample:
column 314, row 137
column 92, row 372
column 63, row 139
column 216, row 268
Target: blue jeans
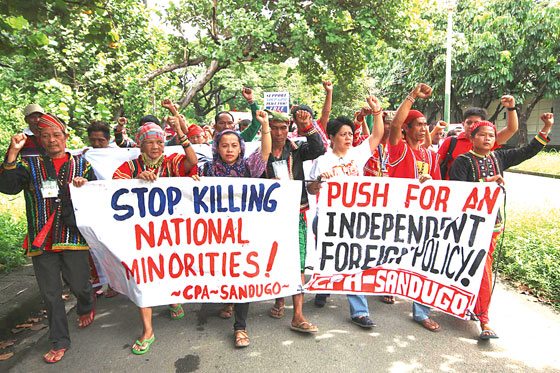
column 420, row 312
column 358, row 305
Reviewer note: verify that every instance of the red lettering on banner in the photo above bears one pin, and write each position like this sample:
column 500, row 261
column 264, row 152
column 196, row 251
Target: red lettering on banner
column 152, row 267
column 199, row 232
column 229, row 233
column 131, row 272
column 239, row 232
column 417, row 287
column 471, row 201
column 189, row 261
column 271, row 258
column 429, row 198
column 149, row 237
column 200, row 238
column 358, row 194
column 487, row 199
column 215, row 232
column 196, row 292
column 241, row 292
column 250, row 261
column 233, row 263
column 175, row 259
column 333, row 192
column 212, row 257
column 164, row 234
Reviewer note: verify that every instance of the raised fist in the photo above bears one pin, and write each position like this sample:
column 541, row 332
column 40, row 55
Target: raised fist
column 422, row 90
column 173, row 123
column 374, row 104
column 508, row 101
column 247, row 94
column 440, row 125
column 303, row 118
column 121, row 123
column 366, row 110
column 18, row 141
column 328, row 86
column 262, row 117
column 548, row 119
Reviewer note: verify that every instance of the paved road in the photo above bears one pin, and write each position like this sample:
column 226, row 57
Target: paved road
column 531, row 192
column 203, row 342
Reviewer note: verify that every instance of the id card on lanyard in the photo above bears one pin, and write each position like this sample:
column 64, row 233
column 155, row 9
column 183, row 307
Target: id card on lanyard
column 49, row 188
column 281, row 170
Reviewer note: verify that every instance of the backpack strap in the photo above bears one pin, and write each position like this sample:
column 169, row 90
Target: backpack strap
column 448, row 157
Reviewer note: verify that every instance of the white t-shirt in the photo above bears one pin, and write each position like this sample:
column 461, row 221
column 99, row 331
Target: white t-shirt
column 352, row 164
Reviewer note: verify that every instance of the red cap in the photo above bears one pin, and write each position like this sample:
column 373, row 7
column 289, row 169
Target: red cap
column 412, row 114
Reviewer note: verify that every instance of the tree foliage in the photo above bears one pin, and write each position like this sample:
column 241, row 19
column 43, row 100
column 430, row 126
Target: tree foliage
column 500, row 47
column 100, row 59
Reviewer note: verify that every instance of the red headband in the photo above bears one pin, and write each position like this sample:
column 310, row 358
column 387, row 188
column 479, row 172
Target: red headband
column 48, row 120
column 194, row 129
column 482, row 123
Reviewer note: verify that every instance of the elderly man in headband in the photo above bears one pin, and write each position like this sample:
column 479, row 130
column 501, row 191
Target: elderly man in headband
column 53, row 241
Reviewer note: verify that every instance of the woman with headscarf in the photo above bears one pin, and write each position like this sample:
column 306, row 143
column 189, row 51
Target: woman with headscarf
column 149, row 166
column 228, row 160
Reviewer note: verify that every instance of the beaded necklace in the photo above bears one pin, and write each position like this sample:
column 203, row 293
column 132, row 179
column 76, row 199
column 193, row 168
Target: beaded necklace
column 153, row 164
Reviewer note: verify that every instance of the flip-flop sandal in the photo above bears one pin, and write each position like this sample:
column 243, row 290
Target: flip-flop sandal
column 54, row 356
column 304, row 327
column 143, row 346
column 86, row 320
column 430, row 324
column 176, row 313
column 487, row 334
column 241, row 338
column 226, row 312
column 276, row 312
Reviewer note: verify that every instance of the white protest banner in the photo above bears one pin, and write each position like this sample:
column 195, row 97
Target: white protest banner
column 277, row 101
column 427, row 242
column 177, row 240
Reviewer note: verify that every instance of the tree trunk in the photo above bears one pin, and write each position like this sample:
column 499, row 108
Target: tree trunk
column 524, row 113
column 522, row 131
column 211, row 70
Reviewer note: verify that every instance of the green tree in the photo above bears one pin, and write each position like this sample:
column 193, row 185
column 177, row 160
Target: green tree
column 500, row 47
column 327, row 37
column 511, row 47
column 89, row 64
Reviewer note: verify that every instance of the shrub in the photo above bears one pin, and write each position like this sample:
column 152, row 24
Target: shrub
column 12, row 233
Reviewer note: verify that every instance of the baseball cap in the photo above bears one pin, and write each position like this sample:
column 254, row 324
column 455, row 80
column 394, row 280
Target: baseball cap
column 33, row 108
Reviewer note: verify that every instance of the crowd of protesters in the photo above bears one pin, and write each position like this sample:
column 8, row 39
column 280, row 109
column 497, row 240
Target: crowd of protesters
column 375, row 143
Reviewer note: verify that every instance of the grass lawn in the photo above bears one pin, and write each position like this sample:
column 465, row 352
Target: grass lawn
column 544, row 162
